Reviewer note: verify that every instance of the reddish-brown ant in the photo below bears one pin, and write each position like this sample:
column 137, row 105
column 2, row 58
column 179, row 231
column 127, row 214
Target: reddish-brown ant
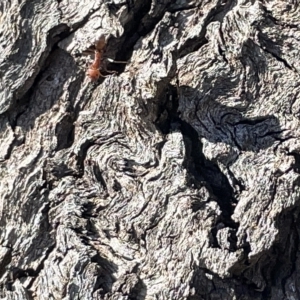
column 93, row 71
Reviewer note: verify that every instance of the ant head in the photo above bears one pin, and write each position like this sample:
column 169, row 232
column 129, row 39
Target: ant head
column 93, row 74
column 100, row 43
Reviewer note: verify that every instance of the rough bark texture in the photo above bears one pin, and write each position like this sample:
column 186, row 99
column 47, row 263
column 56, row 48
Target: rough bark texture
column 175, row 178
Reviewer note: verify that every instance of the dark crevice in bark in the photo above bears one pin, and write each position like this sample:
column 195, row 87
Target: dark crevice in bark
column 23, row 105
column 104, row 281
column 58, row 171
column 200, row 169
column 274, row 49
column 98, row 174
column 105, row 278
column 247, row 249
column 117, row 186
column 291, row 250
column 223, row 7
column 257, row 63
column 296, row 165
column 216, row 14
column 253, row 121
column 6, row 260
column 284, row 253
column 115, row 7
column 276, row 56
column 146, row 24
column 231, row 239
column 173, row 9
column 88, row 211
column 275, row 134
column 236, row 182
column 222, row 53
column 57, row 34
column 132, row 34
column 192, row 45
column 81, row 157
column 64, row 132
column 167, row 110
column 209, row 288
column 19, row 273
column 139, row 291
column 134, row 236
column 269, row 15
column 276, row 265
column 156, row 218
column 54, row 36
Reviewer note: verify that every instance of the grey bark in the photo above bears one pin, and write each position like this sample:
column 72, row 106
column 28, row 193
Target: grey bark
column 176, row 177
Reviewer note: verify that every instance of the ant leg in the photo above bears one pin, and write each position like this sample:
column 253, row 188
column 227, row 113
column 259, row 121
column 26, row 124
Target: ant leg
column 110, row 72
column 101, row 75
column 117, row 61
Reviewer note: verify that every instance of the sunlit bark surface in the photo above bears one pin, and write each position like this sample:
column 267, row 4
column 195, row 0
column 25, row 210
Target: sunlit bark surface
column 175, row 176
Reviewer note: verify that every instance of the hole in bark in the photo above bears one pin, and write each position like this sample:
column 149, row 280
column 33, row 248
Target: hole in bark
column 296, row 165
column 116, row 186
column 105, row 278
column 64, row 132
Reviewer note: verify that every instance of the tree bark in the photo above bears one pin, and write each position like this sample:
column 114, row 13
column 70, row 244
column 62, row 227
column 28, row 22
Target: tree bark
column 175, row 176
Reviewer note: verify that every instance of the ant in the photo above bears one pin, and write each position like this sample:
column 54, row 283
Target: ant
column 93, row 71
